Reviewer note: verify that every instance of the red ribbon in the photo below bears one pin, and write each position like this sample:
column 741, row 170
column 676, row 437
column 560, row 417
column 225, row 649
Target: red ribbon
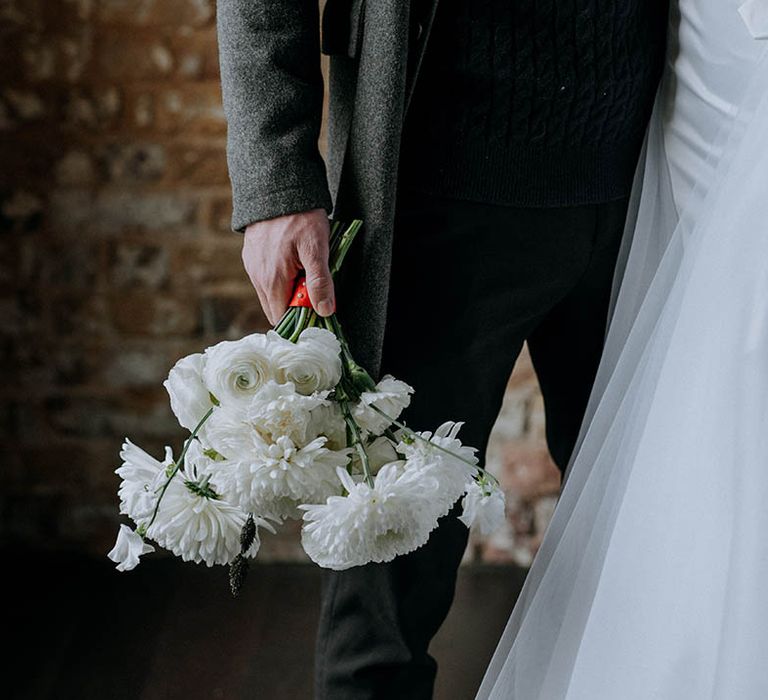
column 300, row 296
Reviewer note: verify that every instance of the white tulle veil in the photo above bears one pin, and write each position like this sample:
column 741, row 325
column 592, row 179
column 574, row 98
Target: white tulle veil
column 681, row 399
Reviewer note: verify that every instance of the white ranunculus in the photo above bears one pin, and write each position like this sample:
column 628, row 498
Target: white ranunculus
column 190, row 398
column 312, row 363
column 452, row 474
column 369, row 524
column 128, row 548
column 484, row 506
column 234, row 370
column 390, row 396
column 141, row 475
column 278, row 409
column 195, row 522
column 274, row 478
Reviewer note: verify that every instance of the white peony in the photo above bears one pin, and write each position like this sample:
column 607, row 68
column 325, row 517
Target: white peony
column 276, row 477
column 128, row 548
column 141, row 476
column 453, row 474
column 390, row 396
column 190, row 399
column 312, row 363
column 195, row 522
column 369, row 524
column 234, row 370
column 484, row 506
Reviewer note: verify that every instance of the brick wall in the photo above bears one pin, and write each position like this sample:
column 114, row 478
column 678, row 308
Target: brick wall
column 117, row 258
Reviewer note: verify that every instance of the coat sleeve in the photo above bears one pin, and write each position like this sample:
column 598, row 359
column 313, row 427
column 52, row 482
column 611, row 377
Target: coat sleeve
column 272, row 92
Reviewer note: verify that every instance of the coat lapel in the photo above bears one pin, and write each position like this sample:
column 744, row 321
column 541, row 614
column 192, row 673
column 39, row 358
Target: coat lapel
column 422, row 17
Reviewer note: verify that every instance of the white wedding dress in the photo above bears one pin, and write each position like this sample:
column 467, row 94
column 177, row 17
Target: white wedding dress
column 652, row 579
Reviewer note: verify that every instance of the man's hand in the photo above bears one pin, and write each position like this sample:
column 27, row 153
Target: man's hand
column 275, row 250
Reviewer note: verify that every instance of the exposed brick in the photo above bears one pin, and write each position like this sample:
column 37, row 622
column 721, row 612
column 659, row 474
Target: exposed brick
column 145, row 13
column 219, row 216
column 72, row 265
column 198, row 165
column 20, row 211
column 75, row 315
column 134, row 265
column 76, row 168
column 145, row 313
column 196, row 53
column 211, row 267
column 88, row 107
column 118, row 211
column 232, row 316
column 528, row 470
column 132, row 162
column 194, row 109
column 125, row 56
column 117, row 258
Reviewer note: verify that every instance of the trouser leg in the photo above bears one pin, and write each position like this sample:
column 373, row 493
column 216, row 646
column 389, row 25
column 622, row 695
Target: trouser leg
column 469, row 283
column 567, row 345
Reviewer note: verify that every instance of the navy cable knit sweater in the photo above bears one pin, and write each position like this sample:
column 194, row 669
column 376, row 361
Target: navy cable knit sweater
column 534, row 102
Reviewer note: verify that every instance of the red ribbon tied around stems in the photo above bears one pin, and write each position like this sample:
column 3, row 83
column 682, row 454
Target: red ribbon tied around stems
column 300, row 296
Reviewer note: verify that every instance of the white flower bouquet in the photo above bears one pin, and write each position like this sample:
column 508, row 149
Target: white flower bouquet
column 285, row 424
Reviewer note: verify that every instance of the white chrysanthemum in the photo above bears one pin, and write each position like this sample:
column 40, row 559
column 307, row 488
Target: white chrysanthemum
column 128, row 548
column 275, row 410
column 380, row 452
column 141, row 475
column 312, row 363
column 276, row 477
column 452, row 473
column 369, row 524
column 190, row 399
column 197, row 524
column 278, row 409
column 328, row 419
column 484, row 506
column 229, row 433
column 390, row 396
column 234, row 370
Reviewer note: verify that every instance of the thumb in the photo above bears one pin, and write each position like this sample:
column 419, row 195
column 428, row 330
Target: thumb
column 314, row 260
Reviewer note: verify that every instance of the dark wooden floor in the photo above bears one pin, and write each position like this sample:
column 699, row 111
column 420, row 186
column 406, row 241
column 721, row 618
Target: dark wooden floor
column 80, row 630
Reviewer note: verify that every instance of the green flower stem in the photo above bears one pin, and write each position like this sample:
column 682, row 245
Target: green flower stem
column 413, row 434
column 285, row 325
column 296, row 319
column 344, row 241
column 357, row 441
column 301, row 322
column 177, row 464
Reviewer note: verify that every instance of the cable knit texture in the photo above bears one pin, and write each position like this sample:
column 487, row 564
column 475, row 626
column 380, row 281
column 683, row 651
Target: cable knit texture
column 534, row 102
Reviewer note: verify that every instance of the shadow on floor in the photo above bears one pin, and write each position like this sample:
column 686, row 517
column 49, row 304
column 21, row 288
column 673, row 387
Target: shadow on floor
column 80, row 630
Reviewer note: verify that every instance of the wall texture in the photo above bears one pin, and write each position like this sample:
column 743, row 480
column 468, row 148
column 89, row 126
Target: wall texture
column 117, row 258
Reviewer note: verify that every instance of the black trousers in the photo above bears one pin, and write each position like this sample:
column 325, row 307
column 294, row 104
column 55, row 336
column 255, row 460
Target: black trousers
column 471, row 282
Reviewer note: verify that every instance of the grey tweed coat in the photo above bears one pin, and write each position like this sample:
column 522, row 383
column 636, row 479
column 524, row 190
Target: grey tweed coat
column 272, row 90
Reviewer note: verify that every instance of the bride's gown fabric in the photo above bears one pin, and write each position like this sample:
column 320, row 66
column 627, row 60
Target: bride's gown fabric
column 652, row 579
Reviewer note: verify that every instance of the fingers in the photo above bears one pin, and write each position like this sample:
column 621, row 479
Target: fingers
column 313, row 255
column 275, row 250
column 261, row 261
column 278, row 293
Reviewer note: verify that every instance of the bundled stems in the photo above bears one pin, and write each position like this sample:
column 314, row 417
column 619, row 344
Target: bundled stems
column 355, row 379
